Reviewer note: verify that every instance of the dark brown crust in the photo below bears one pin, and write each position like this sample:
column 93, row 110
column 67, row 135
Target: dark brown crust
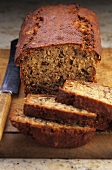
column 92, row 18
column 103, row 110
column 39, row 29
column 59, row 136
column 61, row 116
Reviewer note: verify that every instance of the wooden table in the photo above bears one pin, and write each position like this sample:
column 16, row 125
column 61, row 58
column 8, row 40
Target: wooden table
column 16, row 145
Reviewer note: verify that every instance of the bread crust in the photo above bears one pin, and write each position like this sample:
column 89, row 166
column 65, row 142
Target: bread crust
column 52, row 134
column 56, row 25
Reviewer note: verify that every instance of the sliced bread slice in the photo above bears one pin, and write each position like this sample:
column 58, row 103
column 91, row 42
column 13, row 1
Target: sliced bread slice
column 50, row 133
column 45, row 107
column 89, row 96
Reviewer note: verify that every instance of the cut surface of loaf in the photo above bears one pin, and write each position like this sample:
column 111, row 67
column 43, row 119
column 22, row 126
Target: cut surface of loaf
column 45, row 107
column 50, row 133
column 89, row 96
column 56, row 43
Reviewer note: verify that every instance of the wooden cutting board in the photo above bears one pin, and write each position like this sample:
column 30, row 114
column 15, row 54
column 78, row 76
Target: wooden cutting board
column 16, row 145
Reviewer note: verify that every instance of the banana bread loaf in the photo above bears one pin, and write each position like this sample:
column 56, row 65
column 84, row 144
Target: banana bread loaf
column 45, row 107
column 50, row 133
column 89, row 96
column 57, row 43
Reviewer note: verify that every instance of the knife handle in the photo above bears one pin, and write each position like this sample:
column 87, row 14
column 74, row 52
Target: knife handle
column 5, row 102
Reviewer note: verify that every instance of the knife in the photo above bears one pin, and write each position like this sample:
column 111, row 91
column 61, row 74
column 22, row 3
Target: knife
column 9, row 86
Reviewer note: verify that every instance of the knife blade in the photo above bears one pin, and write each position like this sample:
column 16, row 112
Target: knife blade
column 9, row 86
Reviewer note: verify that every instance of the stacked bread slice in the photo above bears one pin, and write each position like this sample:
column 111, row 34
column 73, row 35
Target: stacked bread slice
column 90, row 96
column 54, row 124
column 68, row 119
column 45, row 107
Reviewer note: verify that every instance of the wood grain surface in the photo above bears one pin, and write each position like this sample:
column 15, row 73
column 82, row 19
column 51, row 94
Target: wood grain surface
column 16, row 145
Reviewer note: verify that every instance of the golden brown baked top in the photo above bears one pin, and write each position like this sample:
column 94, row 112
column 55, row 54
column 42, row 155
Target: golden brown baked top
column 59, row 24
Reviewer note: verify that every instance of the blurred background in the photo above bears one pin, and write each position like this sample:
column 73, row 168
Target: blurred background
column 12, row 13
